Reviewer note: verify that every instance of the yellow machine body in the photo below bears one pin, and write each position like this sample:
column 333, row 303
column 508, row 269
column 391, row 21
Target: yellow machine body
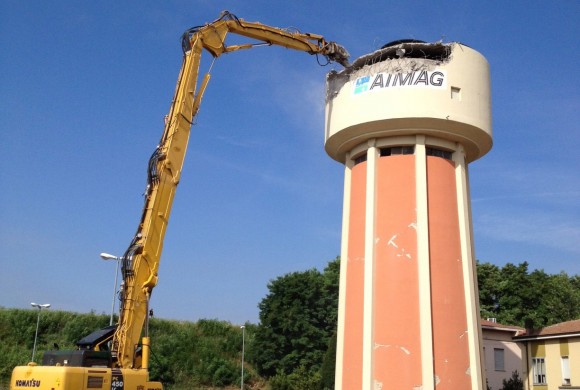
column 80, row 378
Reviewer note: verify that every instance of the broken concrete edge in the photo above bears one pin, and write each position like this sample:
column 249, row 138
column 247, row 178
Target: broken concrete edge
column 401, row 56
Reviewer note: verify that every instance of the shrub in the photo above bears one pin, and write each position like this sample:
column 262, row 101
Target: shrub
column 514, row 383
column 299, row 379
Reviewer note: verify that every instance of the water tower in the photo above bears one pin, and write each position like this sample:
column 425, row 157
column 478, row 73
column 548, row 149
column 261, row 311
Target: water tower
column 405, row 121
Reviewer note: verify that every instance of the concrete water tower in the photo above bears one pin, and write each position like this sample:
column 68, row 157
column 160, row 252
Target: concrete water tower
column 405, row 121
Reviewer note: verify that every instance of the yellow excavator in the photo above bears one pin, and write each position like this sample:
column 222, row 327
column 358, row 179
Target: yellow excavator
column 117, row 357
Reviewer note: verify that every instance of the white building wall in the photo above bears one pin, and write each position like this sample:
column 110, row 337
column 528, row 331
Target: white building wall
column 513, row 357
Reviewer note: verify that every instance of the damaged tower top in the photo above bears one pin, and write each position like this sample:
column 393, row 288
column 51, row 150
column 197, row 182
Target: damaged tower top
column 439, row 89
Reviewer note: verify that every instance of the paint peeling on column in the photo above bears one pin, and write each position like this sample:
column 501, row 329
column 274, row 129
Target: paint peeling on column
column 405, row 350
column 378, row 385
column 463, row 334
column 437, row 380
column 377, row 345
column 392, row 242
column 419, row 387
column 413, row 225
column 468, row 371
column 404, row 253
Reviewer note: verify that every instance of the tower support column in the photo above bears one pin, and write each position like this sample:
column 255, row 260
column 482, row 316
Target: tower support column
column 426, row 330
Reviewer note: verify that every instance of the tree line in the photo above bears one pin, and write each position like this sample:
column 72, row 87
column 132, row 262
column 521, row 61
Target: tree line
column 294, row 345
column 515, row 296
column 185, row 355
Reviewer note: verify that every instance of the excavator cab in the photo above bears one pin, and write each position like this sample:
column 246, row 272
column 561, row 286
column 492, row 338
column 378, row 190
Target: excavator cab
column 93, row 351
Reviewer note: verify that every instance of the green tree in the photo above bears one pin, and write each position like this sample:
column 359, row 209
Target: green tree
column 517, row 297
column 297, row 320
column 328, row 368
column 488, row 277
column 561, row 301
column 299, row 379
column 515, row 294
column 514, row 383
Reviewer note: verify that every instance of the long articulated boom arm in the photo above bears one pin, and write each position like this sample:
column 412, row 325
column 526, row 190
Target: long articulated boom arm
column 141, row 260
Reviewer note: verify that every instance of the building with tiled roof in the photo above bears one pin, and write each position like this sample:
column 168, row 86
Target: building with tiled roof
column 568, row 328
column 553, row 356
column 502, row 354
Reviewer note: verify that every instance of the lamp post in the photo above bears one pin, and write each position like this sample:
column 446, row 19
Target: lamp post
column 243, row 348
column 40, row 307
column 106, row 256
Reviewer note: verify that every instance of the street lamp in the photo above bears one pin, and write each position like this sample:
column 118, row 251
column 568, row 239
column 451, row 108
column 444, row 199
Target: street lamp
column 243, row 348
column 40, row 307
column 106, row 256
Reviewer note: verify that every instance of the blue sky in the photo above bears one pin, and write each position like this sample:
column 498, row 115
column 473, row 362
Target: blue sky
column 84, row 87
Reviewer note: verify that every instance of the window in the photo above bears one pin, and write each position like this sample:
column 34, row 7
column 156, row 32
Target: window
column 455, row 93
column 397, row 150
column 439, row 153
column 360, row 159
column 566, row 371
column 539, row 371
column 498, row 358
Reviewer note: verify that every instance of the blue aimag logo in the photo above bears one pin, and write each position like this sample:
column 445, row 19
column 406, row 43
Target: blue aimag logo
column 362, row 84
column 416, row 79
